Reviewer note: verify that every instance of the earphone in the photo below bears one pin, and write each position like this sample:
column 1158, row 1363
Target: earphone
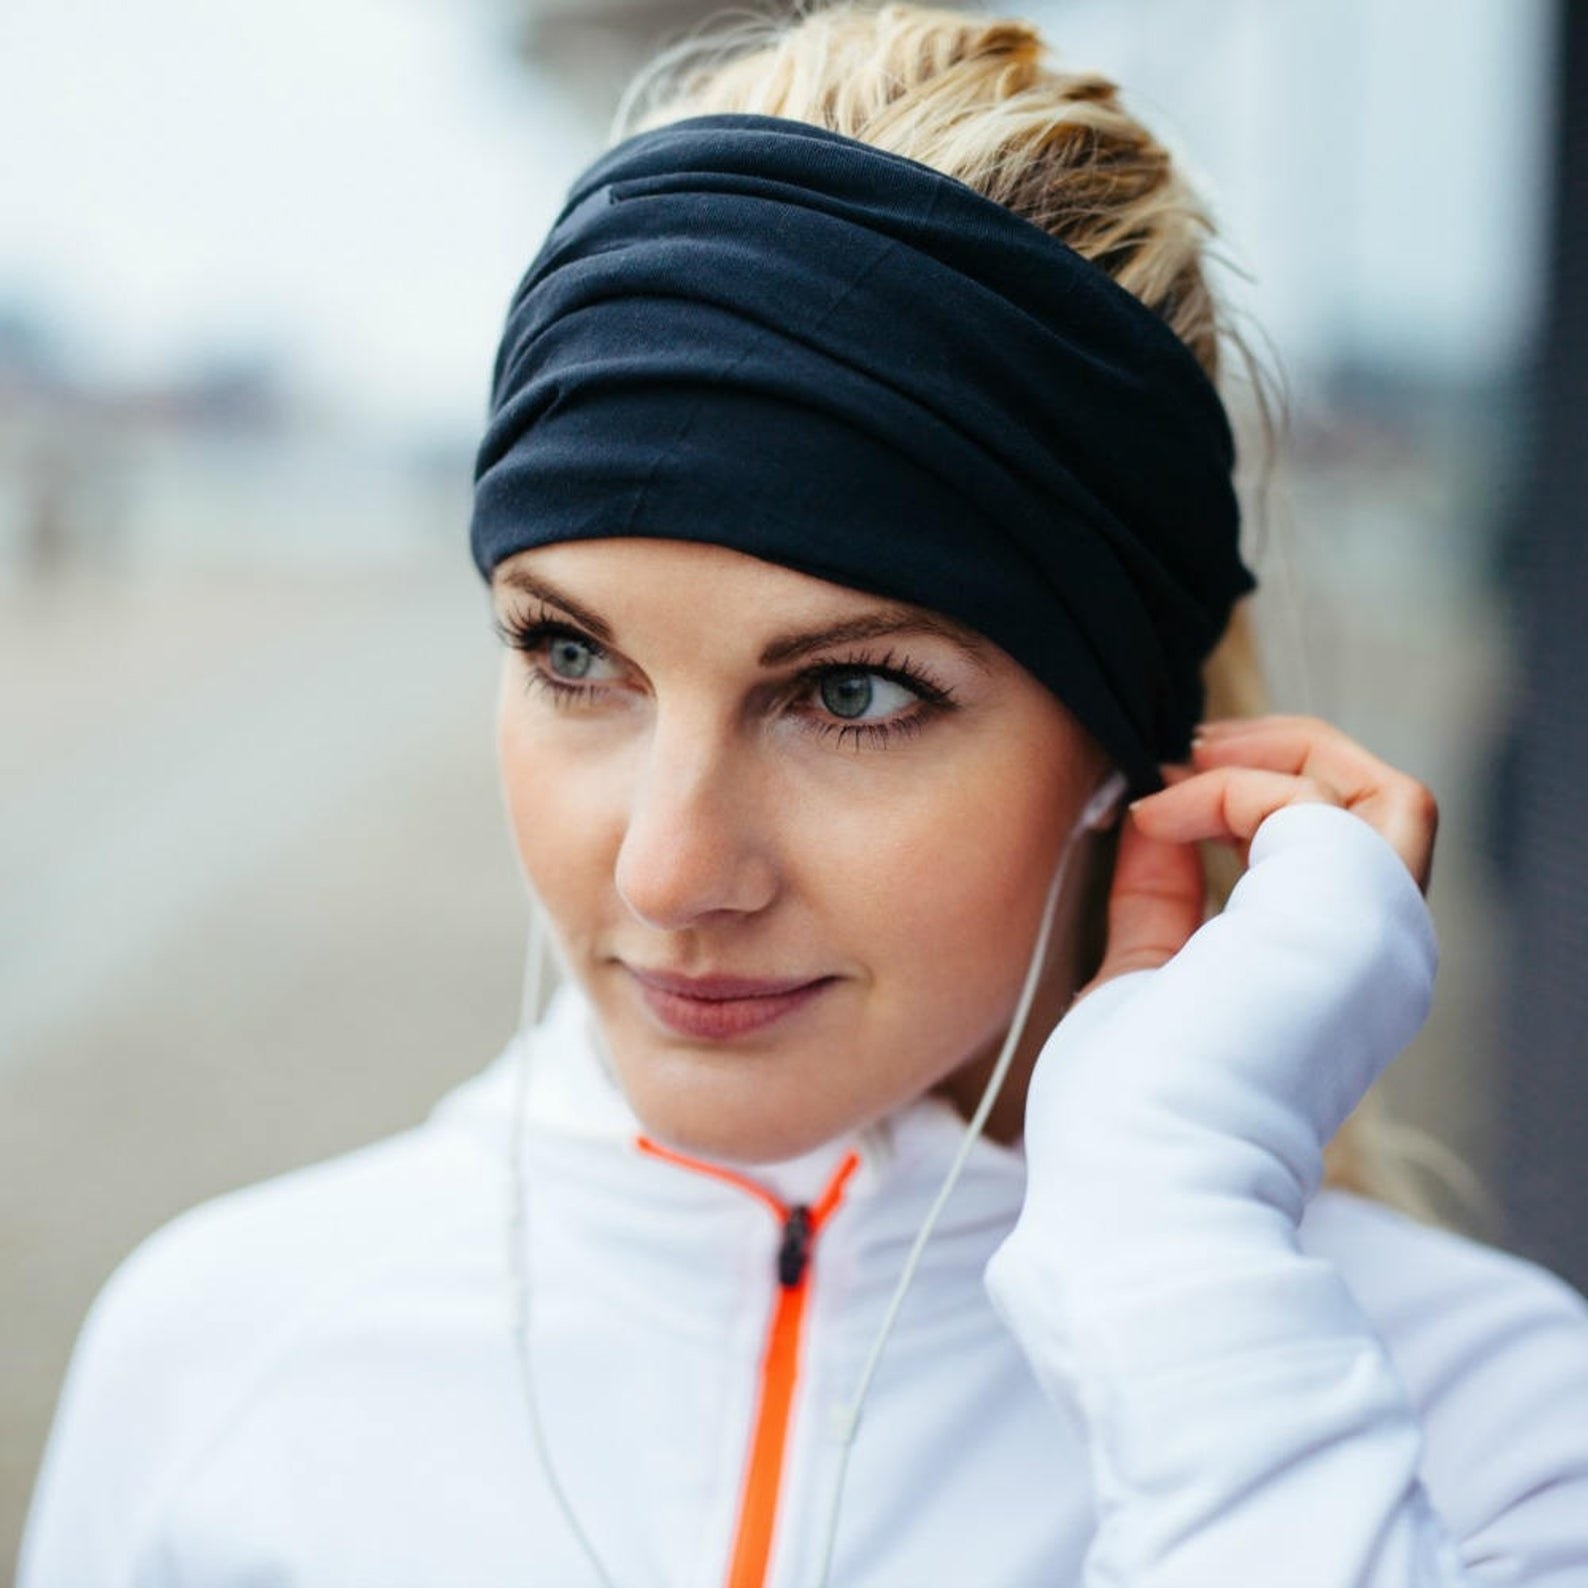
column 1095, row 815
column 1099, row 809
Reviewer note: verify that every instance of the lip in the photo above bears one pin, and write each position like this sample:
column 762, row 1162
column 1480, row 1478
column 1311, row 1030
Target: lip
column 718, row 1008
column 719, row 987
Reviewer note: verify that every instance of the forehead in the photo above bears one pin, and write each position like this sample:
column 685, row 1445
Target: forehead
column 635, row 584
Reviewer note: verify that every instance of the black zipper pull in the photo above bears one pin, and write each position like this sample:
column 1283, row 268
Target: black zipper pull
column 795, row 1252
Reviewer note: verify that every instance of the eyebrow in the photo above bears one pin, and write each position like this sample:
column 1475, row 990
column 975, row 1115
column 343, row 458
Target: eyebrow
column 793, row 645
column 545, row 591
column 872, row 626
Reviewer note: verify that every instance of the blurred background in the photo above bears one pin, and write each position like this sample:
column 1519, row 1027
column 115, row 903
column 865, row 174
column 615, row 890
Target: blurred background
column 257, row 903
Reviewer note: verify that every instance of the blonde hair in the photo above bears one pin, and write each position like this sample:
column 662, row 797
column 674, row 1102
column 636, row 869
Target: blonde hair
column 973, row 97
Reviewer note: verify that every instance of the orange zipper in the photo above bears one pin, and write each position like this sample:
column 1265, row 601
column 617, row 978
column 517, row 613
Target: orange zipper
column 752, row 1545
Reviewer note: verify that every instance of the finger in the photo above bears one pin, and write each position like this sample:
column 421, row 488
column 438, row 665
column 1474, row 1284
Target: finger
column 1409, row 820
column 1227, row 804
column 1225, row 727
column 1155, row 904
column 1301, row 746
column 1402, row 809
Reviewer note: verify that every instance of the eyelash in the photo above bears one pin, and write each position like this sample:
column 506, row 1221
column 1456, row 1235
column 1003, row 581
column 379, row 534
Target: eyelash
column 529, row 635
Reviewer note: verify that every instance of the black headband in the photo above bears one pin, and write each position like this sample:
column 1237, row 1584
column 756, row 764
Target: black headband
column 758, row 333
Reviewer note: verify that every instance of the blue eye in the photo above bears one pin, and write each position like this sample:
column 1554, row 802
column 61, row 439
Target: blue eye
column 568, row 657
column 851, row 693
column 559, row 658
column 846, row 694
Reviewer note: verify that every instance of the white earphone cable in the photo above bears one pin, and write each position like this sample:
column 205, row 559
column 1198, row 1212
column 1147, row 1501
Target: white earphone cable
column 518, row 1237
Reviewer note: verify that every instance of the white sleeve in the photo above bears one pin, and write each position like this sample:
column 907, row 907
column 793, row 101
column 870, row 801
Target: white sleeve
column 1245, row 1422
column 107, row 1458
column 166, row 1352
column 183, row 1341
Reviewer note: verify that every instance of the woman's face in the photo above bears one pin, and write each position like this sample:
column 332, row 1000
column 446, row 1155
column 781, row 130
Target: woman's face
column 793, row 839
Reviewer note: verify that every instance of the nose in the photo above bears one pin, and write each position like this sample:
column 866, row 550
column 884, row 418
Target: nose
column 699, row 840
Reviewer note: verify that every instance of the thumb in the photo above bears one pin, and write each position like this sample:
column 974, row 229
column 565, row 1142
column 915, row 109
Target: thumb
column 1155, row 904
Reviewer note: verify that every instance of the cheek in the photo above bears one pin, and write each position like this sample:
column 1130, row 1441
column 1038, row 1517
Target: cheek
column 939, row 891
column 560, row 809
column 981, row 902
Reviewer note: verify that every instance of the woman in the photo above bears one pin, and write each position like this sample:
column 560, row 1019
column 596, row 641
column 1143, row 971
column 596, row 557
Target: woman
column 908, row 1185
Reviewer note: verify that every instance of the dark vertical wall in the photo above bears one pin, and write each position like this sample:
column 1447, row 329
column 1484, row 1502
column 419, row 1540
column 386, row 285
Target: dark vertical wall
column 1544, row 815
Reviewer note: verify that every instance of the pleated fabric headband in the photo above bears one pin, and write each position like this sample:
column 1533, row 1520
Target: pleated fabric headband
column 761, row 334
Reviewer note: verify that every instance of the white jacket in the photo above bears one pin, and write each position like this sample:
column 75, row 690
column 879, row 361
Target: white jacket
column 312, row 1381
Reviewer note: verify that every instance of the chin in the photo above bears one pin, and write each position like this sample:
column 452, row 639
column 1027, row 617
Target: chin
column 763, row 1102
column 722, row 1133
column 694, row 1105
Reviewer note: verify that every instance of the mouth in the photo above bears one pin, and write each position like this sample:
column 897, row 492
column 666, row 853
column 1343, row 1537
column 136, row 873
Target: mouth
column 719, row 1008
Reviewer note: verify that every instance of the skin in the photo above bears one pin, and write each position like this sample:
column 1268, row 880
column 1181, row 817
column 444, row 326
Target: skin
column 684, row 805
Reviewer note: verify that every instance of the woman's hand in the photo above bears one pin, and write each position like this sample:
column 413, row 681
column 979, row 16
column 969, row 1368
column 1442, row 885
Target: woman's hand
column 1242, row 769
column 1175, row 1128
column 1178, row 1113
